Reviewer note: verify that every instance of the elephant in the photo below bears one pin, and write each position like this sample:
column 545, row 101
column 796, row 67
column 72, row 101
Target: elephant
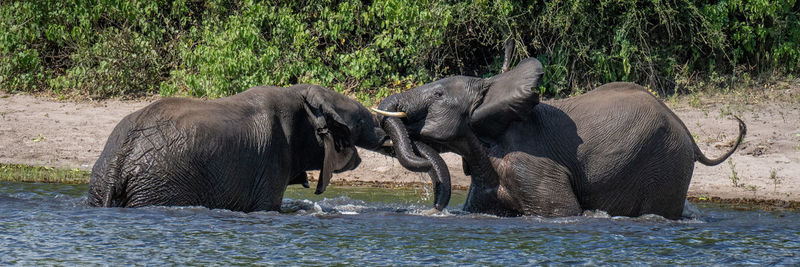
column 616, row 148
column 238, row 152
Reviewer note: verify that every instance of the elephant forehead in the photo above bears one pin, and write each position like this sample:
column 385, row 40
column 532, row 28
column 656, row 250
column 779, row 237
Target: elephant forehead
column 428, row 88
column 451, row 84
column 455, row 85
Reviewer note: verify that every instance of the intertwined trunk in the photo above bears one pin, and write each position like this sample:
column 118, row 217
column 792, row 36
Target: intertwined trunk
column 440, row 175
column 417, row 156
column 402, row 145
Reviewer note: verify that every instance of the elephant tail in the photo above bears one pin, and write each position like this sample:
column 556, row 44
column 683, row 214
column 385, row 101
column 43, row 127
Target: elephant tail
column 711, row 162
column 107, row 184
column 108, row 181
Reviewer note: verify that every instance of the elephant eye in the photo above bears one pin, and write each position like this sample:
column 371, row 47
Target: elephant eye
column 438, row 93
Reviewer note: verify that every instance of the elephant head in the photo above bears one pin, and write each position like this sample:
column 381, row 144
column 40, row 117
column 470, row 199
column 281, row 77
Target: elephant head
column 448, row 110
column 451, row 114
column 340, row 124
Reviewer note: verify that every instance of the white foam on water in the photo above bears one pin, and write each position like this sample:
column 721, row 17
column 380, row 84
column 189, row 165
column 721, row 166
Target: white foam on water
column 349, row 209
column 596, row 214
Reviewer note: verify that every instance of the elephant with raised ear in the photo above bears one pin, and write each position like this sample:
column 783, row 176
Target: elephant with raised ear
column 616, row 148
column 238, row 152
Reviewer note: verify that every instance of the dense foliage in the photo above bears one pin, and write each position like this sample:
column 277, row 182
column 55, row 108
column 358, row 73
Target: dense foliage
column 213, row 48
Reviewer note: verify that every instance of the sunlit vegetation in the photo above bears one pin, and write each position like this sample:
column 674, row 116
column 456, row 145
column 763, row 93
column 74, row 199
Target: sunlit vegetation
column 370, row 49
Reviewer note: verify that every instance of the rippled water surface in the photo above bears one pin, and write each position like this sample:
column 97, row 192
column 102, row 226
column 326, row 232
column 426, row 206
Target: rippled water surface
column 42, row 224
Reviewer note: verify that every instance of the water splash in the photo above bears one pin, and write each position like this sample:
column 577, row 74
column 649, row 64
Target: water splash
column 427, row 190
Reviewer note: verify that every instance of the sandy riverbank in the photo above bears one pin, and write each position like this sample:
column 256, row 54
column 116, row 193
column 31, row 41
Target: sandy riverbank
column 38, row 130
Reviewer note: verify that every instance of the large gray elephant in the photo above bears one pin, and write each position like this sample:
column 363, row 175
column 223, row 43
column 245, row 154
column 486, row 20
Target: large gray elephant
column 238, row 152
column 616, row 148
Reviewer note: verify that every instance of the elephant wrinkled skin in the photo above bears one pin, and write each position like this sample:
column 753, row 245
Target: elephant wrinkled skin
column 616, row 148
column 238, row 152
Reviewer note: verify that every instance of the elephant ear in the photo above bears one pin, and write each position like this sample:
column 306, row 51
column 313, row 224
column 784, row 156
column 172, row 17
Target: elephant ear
column 331, row 131
column 505, row 98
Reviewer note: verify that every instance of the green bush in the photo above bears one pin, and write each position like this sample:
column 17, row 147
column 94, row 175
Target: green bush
column 98, row 48
column 370, row 49
column 354, row 48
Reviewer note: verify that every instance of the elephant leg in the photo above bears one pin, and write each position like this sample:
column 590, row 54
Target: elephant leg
column 268, row 201
column 656, row 188
column 267, row 193
column 537, row 186
column 481, row 199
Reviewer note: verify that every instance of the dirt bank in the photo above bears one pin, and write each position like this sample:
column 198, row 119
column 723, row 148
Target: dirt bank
column 38, row 130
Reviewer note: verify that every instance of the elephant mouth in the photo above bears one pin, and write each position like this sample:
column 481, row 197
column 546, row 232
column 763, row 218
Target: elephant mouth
column 414, row 133
column 414, row 129
column 351, row 165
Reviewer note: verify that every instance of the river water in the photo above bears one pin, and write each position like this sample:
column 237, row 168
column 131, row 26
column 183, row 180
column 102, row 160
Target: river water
column 49, row 224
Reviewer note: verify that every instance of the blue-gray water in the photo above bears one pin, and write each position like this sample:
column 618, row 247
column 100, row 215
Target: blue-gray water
column 43, row 224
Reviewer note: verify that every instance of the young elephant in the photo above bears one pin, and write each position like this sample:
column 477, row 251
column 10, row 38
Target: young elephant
column 238, row 152
column 616, row 148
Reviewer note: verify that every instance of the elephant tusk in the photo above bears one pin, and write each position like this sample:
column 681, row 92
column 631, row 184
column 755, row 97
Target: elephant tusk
column 388, row 143
column 398, row 114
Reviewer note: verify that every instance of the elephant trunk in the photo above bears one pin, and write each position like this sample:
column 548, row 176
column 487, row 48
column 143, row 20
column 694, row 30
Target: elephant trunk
column 407, row 152
column 440, row 175
column 430, row 161
column 403, row 147
column 400, row 139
